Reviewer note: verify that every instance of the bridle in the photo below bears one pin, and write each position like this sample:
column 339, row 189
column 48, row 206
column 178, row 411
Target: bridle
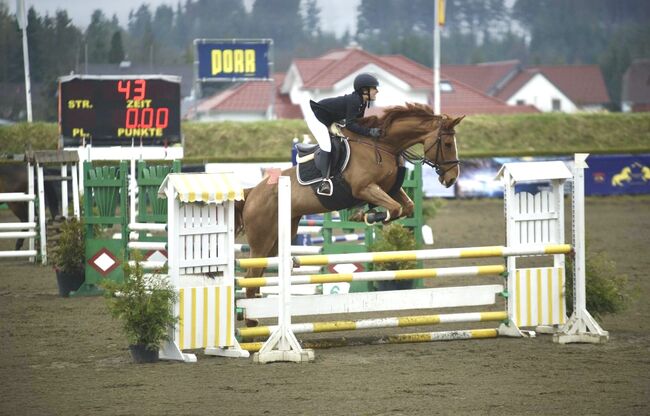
column 438, row 164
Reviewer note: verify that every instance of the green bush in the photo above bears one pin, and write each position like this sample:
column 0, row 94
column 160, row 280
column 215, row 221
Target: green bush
column 393, row 237
column 69, row 254
column 144, row 305
column 606, row 289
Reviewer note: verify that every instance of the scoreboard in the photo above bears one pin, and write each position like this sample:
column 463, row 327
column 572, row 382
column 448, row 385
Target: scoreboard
column 116, row 111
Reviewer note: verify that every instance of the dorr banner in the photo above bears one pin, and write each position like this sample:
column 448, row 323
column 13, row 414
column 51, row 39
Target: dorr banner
column 233, row 60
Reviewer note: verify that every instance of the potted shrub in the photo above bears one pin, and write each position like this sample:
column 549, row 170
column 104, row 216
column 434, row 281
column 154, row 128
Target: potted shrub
column 68, row 257
column 394, row 237
column 144, row 305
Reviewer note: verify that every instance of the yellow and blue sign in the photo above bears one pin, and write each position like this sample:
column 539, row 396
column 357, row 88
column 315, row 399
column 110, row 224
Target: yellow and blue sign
column 618, row 174
column 233, row 60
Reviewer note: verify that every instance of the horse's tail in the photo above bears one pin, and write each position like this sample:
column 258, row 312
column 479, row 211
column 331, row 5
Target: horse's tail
column 239, row 213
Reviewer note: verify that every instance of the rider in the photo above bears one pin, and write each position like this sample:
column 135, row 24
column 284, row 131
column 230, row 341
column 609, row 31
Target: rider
column 344, row 109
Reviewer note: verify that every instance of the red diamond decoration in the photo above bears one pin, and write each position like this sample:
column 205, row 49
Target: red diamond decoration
column 104, row 262
column 345, row 268
column 156, row 255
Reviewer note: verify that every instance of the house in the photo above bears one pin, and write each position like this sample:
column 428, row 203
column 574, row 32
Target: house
column 248, row 101
column 401, row 80
column 563, row 88
column 635, row 95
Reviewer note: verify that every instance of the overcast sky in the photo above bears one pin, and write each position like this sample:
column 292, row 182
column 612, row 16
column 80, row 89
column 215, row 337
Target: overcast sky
column 336, row 15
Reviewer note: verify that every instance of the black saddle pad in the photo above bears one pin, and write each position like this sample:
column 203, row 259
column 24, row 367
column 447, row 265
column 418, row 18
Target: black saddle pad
column 308, row 173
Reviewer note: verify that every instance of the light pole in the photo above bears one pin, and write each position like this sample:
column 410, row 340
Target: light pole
column 21, row 16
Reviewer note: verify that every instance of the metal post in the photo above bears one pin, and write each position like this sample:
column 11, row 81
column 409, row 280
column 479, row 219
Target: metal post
column 436, row 58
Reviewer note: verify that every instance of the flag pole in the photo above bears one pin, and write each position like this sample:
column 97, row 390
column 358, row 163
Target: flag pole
column 436, row 57
column 21, row 16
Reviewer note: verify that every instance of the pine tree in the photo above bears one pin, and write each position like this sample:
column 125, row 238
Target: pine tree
column 116, row 53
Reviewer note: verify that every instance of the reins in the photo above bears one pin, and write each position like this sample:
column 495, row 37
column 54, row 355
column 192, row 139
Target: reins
column 377, row 146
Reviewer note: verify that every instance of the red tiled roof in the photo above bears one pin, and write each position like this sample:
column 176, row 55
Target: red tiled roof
column 484, row 76
column 583, row 84
column 343, row 62
column 252, row 96
column 414, row 68
column 468, row 100
column 636, row 82
column 515, row 84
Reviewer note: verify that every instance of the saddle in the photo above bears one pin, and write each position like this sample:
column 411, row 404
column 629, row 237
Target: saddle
column 310, row 154
column 309, row 175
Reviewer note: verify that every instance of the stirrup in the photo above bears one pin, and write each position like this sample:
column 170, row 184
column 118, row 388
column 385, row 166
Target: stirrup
column 322, row 190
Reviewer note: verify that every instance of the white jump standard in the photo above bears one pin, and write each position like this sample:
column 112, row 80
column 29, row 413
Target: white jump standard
column 201, row 242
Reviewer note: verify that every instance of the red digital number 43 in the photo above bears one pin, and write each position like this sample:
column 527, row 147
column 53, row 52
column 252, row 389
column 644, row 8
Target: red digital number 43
column 138, row 90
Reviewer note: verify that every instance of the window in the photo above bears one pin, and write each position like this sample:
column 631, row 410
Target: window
column 556, row 104
column 521, row 102
column 445, row 86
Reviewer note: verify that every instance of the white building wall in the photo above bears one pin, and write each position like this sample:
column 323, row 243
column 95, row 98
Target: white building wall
column 392, row 90
column 231, row 116
column 540, row 92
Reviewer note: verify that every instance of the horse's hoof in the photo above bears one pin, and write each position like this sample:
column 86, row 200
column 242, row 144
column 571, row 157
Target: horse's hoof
column 253, row 292
column 250, row 323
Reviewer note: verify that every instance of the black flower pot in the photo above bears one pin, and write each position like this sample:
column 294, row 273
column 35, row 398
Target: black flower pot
column 69, row 281
column 141, row 354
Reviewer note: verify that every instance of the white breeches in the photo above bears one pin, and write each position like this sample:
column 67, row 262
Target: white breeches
column 319, row 131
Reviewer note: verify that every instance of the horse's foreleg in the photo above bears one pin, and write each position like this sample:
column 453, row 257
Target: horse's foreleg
column 407, row 204
column 375, row 195
column 252, row 292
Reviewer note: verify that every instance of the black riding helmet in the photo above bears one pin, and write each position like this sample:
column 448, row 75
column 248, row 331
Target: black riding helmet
column 364, row 81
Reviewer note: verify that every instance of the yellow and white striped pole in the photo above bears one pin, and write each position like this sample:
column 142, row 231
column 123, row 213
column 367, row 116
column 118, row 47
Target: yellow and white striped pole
column 412, row 255
column 397, row 322
column 376, row 276
column 389, row 339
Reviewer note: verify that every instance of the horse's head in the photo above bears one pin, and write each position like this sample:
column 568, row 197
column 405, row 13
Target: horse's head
column 440, row 151
column 411, row 124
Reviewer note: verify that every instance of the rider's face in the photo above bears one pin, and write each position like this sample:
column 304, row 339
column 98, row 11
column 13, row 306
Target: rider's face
column 372, row 93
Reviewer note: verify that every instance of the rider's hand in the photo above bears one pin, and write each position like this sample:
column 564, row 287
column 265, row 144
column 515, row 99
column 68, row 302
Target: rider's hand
column 375, row 132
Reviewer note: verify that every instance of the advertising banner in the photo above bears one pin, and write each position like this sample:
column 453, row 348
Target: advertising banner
column 618, row 175
column 233, row 60
column 606, row 175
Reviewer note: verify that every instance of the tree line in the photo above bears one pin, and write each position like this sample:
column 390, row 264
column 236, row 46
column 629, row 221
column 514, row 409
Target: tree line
column 609, row 33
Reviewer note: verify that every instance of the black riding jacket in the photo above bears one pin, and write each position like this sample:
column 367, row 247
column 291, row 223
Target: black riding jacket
column 349, row 107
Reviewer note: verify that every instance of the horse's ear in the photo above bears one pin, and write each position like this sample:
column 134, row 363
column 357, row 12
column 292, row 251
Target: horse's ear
column 457, row 120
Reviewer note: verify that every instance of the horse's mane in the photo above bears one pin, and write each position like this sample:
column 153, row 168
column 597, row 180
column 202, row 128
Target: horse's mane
column 399, row 111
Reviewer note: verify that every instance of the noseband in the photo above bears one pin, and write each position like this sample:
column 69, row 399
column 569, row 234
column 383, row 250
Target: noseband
column 437, row 164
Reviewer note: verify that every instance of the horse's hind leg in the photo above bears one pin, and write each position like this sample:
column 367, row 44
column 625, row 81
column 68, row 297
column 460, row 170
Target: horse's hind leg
column 267, row 247
column 20, row 210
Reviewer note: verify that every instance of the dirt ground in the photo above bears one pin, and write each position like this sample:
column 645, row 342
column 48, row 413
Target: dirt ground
column 67, row 357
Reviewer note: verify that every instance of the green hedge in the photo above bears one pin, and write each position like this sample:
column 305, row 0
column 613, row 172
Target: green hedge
column 513, row 135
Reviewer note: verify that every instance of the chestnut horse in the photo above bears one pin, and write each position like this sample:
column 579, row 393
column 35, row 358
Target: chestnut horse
column 371, row 173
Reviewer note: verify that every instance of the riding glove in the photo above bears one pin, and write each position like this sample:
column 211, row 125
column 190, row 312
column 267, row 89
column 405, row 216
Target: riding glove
column 375, row 132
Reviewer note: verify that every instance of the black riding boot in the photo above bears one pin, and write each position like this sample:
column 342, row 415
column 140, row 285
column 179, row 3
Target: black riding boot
column 325, row 187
